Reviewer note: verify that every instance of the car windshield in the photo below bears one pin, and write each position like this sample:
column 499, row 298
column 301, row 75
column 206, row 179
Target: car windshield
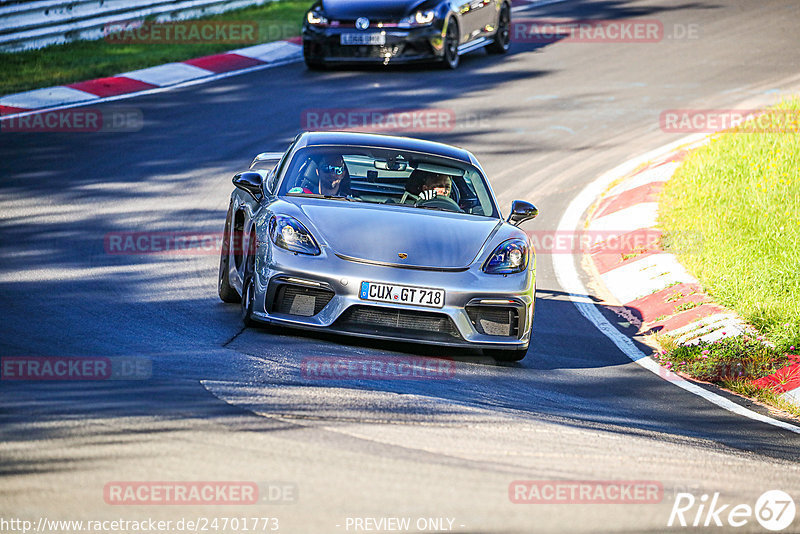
column 390, row 177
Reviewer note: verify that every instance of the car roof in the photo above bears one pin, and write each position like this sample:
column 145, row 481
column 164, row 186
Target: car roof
column 385, row 141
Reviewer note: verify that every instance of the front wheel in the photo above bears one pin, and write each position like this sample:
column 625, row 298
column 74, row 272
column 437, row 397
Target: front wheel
column 224, row 289
column 311, row 63
column 249, row 286
column 450, row 57
column 248, row 298
column 506, row 355
column 502, row 38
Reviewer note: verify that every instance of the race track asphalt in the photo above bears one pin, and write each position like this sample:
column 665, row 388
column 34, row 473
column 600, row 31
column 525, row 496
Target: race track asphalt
column 227, row 403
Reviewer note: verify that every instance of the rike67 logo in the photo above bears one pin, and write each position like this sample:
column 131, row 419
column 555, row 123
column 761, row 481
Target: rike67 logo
column 774, row 510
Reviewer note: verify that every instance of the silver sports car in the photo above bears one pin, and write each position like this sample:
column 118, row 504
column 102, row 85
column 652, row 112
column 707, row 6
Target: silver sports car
column 379, row 236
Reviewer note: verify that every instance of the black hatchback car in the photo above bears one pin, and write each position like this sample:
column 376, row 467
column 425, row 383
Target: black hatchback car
column 401, row 31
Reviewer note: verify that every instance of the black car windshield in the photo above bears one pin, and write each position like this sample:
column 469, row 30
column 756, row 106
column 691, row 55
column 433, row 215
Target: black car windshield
column 388, row 176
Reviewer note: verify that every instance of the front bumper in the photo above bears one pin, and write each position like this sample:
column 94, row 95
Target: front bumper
column 473, row 301
column 323, row 45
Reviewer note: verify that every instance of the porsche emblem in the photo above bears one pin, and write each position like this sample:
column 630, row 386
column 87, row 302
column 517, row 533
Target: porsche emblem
column 402, row 255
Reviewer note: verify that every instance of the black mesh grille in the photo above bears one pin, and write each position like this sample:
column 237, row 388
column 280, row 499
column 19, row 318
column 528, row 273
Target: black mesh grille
column 302, row 301
column 494, row 320
column 402, row 323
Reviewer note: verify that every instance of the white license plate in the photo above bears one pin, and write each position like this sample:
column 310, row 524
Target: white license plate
column 363, row 39
column 419, row 296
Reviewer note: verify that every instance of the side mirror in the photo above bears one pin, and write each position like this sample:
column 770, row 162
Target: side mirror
column 522, row 211
column 249, row 181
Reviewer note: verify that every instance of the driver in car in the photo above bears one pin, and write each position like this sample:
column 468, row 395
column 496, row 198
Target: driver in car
column 438, row 185
column 332, row 177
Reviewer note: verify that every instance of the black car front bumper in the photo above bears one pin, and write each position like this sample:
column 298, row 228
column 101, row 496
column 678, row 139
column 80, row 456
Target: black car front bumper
column 323, row 45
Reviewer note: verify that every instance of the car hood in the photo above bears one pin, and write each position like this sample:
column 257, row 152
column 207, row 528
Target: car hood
column 431, row 239
column 383, row 10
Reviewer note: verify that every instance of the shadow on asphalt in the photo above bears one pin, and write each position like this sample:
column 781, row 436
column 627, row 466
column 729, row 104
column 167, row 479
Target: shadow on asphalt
column 63, row 294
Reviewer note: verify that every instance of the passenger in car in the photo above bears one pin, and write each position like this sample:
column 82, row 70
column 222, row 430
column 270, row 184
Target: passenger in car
column 427, row 185
column 439, row 185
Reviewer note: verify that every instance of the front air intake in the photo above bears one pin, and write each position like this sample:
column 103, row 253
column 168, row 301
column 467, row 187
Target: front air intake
column 299, row 300
column 414, row 325
column 494, row 320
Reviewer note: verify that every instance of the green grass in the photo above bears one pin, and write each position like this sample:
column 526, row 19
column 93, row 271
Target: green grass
column 764, row 395
column 686, row 306
column 732, row 363
column 742, row 357
column 741, row 196
column 85, row 60
column 732, row 215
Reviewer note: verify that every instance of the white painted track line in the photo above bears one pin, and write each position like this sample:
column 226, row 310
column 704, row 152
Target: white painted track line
column 571, row 283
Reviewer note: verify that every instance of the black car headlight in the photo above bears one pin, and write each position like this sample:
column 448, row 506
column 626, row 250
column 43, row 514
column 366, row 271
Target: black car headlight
column 316, row 18
column 509, row 257
column 420, row 18
column 288, row 233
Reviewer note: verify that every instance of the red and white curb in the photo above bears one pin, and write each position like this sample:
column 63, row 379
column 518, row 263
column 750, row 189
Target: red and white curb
column 151, row 79
column 655, row 291
column 572, row 283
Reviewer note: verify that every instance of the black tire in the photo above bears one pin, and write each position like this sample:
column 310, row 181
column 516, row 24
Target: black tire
column 311, row 63
column 226, row 292
column 506, row 355
column 315, row 65
column 450, row 57
column 248, row 286
column 502, row 38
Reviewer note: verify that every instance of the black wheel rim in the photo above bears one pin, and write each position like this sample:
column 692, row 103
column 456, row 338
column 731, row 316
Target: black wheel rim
column 504, row 33
column 451, row 45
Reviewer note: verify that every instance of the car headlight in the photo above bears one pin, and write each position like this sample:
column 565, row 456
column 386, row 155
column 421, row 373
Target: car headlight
column 420, row 18
column 509, row 257
column 315, row 18
column 288, row 233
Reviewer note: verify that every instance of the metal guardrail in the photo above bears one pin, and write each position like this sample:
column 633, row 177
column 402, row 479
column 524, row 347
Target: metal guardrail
column 38, row 23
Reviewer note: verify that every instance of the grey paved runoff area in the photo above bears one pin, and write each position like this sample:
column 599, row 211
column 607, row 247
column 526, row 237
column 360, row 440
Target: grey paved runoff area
column 227, row 404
